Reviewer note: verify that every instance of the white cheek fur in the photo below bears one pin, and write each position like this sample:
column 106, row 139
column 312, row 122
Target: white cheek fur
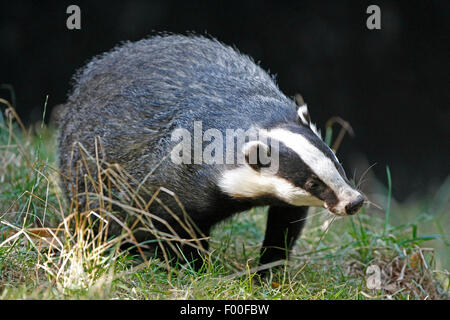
column 244, row 182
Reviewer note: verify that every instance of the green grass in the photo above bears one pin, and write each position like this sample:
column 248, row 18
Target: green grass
column 407, row 245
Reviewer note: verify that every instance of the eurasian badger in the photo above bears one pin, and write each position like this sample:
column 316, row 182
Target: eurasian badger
column 134, row 98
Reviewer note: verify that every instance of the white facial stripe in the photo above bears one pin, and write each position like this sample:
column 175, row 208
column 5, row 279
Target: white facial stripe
column 316, row 160
column 244, row 182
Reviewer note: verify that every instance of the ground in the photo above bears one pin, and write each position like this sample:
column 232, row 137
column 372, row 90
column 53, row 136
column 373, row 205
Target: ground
column 393, row 252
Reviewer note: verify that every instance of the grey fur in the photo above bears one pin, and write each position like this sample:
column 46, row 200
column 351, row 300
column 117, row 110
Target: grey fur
column 134, row 96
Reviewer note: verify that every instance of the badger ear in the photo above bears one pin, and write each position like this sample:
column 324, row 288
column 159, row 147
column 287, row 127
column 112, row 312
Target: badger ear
column 305, row 119
column 302, row 111
column 303, row 115
column 257, row 154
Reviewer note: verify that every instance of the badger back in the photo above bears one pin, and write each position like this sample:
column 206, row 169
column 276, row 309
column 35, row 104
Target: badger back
column 175, row 74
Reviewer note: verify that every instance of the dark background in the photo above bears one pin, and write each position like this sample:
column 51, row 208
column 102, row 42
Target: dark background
column 390, row 84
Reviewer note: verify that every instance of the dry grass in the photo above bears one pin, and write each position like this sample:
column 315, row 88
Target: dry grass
column 51, row 247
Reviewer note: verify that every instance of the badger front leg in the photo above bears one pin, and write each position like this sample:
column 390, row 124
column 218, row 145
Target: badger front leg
column 284, row 225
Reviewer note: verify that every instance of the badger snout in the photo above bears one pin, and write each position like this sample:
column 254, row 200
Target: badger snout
column 347, row 206
column 353, row 206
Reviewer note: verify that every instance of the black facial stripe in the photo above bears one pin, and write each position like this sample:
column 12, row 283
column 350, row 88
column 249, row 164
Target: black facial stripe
column 296, row 171
column 323, row 192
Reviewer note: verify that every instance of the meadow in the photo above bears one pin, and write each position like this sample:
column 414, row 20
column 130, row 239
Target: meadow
column 48, row 249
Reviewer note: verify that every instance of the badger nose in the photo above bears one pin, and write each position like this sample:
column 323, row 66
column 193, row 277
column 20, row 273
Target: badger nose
column 354, row 206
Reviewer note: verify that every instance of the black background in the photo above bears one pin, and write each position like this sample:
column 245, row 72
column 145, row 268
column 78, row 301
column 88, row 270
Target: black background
column 390, row 84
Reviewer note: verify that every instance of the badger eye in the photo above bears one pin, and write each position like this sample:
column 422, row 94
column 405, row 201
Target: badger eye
column 312, row 184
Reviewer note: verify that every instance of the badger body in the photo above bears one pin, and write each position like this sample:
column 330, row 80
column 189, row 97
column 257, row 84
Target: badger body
column 135, row 96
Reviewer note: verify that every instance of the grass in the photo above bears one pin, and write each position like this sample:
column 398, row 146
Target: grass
column 48, row 249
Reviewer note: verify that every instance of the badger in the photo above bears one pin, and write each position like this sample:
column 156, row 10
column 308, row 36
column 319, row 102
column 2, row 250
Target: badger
column 134, row 97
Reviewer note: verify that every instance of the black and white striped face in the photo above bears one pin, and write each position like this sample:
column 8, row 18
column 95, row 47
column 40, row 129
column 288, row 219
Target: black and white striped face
column 308, row 172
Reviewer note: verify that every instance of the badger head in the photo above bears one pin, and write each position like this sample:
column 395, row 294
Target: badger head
column 307, row 172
